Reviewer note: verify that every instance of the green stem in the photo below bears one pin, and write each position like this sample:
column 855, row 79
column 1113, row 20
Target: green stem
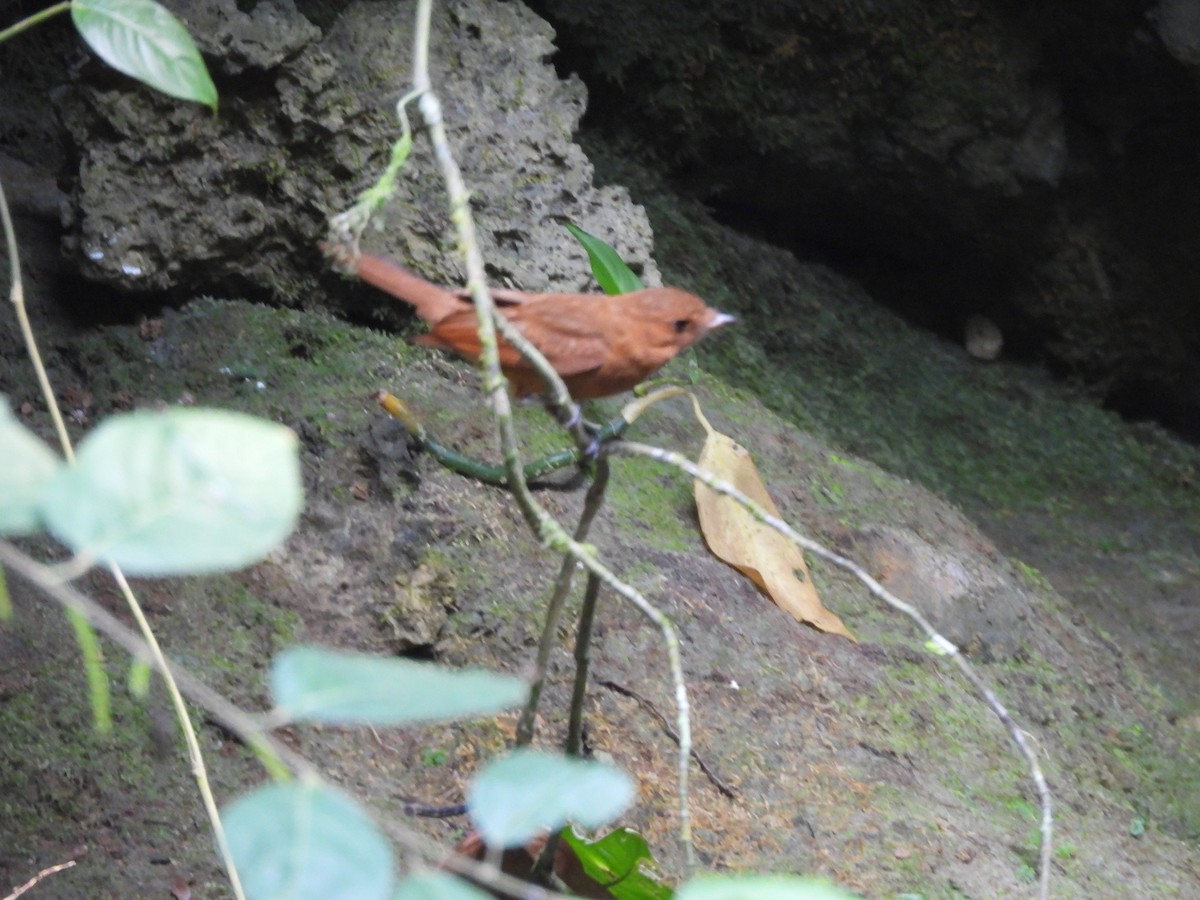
column 562, row 587
column 93, row 666
column 583, row 661
column 6, row 610
column 35, row 19
column 195, row 754
column 498, row 475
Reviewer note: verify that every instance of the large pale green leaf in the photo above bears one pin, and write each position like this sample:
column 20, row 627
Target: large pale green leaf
column 761, row 887
column 307, row 841
column 437, row 886
column 28, row 465
column 183, row 491
column 609, row 269
column 143, row 40
column 333, row 686
column 514, row 797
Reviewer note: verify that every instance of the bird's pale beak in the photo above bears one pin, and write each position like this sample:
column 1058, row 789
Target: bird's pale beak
column 720, row 318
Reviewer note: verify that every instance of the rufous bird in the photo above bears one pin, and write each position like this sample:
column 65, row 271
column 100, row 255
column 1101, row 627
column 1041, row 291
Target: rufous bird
column 599, row 344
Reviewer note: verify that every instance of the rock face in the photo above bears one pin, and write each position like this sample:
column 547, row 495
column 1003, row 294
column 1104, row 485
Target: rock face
column 1034, row 163
column 1030, row 163
column 168, row 196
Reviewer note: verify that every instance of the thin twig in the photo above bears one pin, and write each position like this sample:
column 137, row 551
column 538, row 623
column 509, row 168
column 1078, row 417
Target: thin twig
column 649, row 707
column 943, row 644
column 414, row 807
column 36, row 879
column 587, row 557
column 544, row 864
column 195, row 754
column 562, row 587
column 583, row 662
column 37, row 18
column 488, row 321
column 17, row 296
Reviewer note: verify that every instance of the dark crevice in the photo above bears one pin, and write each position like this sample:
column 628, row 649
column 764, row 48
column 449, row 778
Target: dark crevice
column 1125, row 205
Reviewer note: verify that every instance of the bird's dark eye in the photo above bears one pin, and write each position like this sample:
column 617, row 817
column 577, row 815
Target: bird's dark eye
column 681, row 325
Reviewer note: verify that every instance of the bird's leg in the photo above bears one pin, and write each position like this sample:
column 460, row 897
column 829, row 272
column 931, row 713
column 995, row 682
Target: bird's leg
column 570, row 417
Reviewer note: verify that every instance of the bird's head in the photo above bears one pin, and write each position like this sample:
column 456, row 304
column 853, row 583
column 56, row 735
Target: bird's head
column 688, row 317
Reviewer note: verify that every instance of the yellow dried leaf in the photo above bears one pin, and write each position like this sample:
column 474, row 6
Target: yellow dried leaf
column 760, row 552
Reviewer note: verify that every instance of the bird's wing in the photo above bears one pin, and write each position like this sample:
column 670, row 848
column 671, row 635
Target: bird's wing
column 501, row 296
column 568, row 329
column 567, row 337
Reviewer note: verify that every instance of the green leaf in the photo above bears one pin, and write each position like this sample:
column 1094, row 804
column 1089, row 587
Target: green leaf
column 761, row 887
column 316, row 685
column 139, row 679
column 307, row 841
column 28, row 466
column 6, row 610
column 622, row 862
column 610, row 270
column 143, row 40
column 437, row 886
column 189, row 490
column 93, row 666
column 516, row 796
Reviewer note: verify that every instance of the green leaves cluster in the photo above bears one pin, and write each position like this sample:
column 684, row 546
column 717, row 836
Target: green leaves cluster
column 307, row 840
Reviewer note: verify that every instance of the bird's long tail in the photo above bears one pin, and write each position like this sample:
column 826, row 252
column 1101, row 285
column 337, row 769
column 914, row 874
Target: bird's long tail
column 431, row 302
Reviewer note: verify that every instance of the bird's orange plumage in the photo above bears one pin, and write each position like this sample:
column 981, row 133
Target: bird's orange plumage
column 598, row 344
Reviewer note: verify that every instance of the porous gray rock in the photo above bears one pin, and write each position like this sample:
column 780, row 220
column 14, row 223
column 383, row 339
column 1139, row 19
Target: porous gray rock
column 167, row 196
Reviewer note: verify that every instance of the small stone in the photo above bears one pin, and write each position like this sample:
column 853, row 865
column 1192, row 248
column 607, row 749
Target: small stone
column 982, row 338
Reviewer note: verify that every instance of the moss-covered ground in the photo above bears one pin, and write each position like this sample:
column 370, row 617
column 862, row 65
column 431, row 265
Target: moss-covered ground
column 871, row 763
